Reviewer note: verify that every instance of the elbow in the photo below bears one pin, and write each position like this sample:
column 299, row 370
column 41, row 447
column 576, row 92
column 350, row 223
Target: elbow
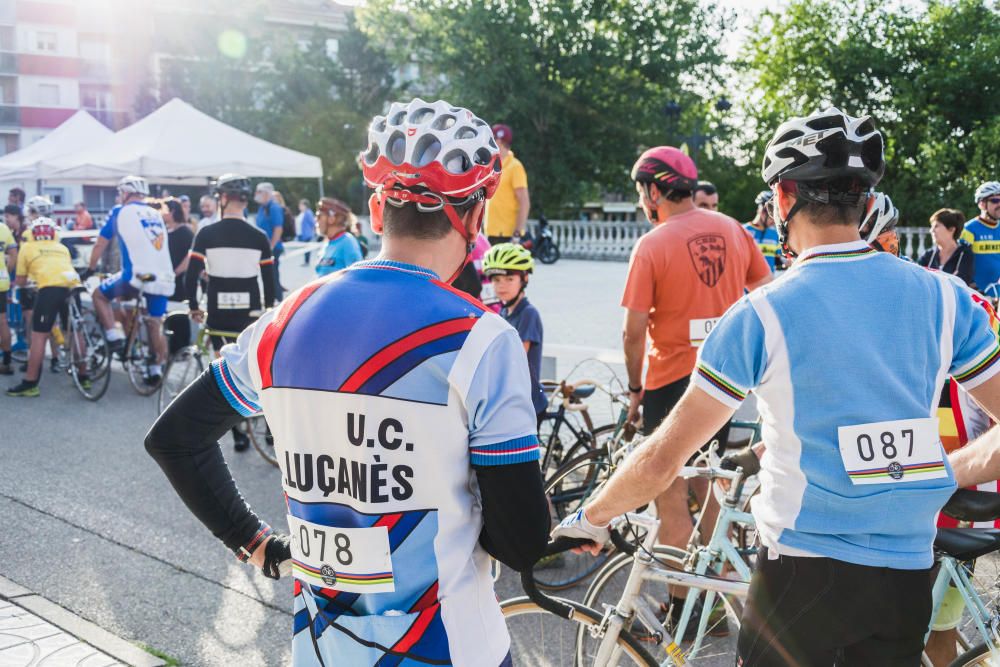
column 155, row 442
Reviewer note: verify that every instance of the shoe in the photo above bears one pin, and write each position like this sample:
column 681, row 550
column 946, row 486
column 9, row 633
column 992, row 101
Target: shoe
column 241, row 442
column 85, row 382
column 24, row 390
column 153, row 380
column 6, row 369
column 117, row 347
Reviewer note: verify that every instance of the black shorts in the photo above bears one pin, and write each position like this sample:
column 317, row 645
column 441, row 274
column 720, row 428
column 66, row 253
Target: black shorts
column 50, row 302
column 3, row 304
column 657, row 404
column 26, row 297
column 820, row 612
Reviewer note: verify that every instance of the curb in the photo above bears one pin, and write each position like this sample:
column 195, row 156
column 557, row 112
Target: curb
column 77, row 626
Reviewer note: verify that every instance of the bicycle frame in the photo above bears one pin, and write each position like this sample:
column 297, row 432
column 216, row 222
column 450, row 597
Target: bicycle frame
column 955, row 573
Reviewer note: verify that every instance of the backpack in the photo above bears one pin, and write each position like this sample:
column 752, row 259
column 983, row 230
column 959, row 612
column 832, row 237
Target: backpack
column 287, row 226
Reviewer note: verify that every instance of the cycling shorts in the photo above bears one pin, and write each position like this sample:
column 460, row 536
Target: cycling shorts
column 657, row 404
column 50, row 302
column 26, row 297
column 117, row 287
column 3, row 305
column 821, row 611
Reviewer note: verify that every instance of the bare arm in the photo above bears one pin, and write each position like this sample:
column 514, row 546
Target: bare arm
column 654, row 465
column 11, row 256
column 763, row 281
column 523, row 207
column 634, row 344
column 979, row 461
column 95, row 254
column 275, row 236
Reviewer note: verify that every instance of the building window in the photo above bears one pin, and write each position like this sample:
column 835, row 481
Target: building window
column 46, row 41
column 97, row 100
column 56, row 195
column 99, row 199
column 48, row 95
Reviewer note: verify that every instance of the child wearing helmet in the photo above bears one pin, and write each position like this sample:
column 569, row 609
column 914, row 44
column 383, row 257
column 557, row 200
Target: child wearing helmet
column 507, row 266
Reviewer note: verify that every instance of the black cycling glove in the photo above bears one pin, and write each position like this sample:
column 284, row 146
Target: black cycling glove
column 276, row 552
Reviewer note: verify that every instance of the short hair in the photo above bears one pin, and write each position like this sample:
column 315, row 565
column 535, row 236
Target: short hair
column 265, row 186
column 845, row 201
column 670, row 194
column 707, row 187
column 174, row 207
column 950, row 218
column 304, row 202
column 14, row 209
column 207, row 198
column 18, row 192
column 406, row 221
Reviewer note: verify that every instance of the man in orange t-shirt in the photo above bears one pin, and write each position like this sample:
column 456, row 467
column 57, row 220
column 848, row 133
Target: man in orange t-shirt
column 683, row 275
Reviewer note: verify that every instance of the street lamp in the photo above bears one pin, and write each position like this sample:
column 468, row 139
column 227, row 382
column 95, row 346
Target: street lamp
column 696, row 141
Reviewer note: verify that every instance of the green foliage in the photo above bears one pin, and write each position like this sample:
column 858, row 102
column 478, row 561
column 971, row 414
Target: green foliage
column 583, row 83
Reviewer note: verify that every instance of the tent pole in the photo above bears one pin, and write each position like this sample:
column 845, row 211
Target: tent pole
column 320, row 181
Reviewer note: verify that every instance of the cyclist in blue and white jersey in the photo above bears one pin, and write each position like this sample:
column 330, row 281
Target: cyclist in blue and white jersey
column 847, row 355
column 402, row 420
column 142, row 239
column 983, row 234
column 761, row 228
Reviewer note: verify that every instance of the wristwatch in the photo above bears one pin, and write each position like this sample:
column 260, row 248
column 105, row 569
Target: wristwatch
column 635, row 390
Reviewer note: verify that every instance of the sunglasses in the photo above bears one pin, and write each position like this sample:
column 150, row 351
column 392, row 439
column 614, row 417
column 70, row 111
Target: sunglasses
column 994, row 200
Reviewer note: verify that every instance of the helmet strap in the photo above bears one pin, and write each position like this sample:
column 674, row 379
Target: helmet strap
column 781, row 224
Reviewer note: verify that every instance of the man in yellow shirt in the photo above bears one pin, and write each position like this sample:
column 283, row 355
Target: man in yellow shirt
column 46, row 262
column 507, row 211
column 8, row 259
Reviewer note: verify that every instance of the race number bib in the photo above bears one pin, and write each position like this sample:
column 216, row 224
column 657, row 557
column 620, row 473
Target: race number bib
column 488, row 295
column 233, row 300
column 354, row 560
column 893, row 452
column 700, row 330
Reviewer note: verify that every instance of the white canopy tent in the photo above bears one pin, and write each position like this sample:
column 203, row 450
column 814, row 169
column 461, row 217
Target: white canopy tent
column 79, row 132
column 177, row 144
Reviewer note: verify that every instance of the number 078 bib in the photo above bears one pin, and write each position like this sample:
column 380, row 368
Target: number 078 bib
column 892, row 452
column 353, row 560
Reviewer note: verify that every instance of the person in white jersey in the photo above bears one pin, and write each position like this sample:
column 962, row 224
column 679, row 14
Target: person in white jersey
column 847, row 355
column 408, row 449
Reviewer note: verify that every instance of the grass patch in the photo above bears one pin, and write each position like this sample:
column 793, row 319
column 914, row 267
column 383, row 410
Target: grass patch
column 169, row 659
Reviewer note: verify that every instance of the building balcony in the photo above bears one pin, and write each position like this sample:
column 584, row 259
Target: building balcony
column 10, row 115
column 8, row 63
column 113, row 119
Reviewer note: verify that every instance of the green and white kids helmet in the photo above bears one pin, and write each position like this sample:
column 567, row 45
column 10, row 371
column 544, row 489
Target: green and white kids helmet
column 505, row 258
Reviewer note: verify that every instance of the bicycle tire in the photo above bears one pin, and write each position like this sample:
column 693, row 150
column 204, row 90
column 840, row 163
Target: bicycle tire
column 977, row 656
column 600, row 593
column 585, row 474
column 182, row 368
column 525, row 648
column 97, row 359
column 549, row 253
column 256, row 428
column 136, row 354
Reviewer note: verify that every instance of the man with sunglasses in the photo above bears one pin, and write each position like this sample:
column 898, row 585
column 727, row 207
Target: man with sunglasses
column 983, row 234
column 761, row 228
column 333, row 221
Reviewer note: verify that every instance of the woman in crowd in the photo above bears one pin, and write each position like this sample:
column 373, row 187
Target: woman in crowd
column 180, row 237
column 335, row 222
column 950, row 253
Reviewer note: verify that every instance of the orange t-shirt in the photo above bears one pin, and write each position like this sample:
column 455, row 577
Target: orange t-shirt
column 685, row 273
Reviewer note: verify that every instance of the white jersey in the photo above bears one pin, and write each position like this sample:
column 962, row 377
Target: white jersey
column 142, row 237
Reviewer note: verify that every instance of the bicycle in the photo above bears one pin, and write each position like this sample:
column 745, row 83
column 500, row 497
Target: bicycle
column 88, row 358
column 138, row 354
column 185, row 365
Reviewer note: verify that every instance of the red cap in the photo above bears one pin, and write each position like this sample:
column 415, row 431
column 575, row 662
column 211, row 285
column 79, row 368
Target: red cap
column 503, row 133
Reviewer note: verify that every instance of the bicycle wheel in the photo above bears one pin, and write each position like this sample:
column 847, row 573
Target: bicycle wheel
column 608, row 586
column 137, row 360
column 976, row 656
column 256, row 428
column 548, row 253
column 88, row 349
column 181, row 369
column 567, row 489
column 541, row 639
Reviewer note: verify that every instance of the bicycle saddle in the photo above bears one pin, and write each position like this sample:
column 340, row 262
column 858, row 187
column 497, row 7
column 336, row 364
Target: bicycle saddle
column 146, row 277
column 970, row 505
column 583, row 391
column 967, row 543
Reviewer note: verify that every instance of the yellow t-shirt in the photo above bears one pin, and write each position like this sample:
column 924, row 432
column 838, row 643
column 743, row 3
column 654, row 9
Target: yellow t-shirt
column 47, row 264
column 501, row 211
column 6, row 243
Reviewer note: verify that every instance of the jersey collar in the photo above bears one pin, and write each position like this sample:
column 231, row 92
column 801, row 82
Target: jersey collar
column 992, row 224
column 837, row 252
column 388, row 264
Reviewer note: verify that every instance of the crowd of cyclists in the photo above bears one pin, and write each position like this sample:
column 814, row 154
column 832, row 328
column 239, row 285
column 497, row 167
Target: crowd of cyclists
column 409, row 447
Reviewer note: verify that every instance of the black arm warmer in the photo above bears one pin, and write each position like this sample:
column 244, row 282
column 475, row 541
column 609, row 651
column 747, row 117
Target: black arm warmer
column 515, row 514
column 267, row 277
column 184, row 442
column 195, row 266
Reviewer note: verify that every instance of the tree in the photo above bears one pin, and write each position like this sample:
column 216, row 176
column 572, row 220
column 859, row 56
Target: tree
column 583, row 83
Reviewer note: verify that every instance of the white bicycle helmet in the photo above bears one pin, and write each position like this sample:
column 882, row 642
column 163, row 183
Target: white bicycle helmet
column 133, row 185
column 444, row 149
column 987, row 189
column 40, row 205
column 826, row 145
column 880, row 217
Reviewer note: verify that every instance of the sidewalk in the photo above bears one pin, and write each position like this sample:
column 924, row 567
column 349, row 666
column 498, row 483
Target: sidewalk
column 35, row 631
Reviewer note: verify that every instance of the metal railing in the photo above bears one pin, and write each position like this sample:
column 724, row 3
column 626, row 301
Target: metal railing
column 614, row 240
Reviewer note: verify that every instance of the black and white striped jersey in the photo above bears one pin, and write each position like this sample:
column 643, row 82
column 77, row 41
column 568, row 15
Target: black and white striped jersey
column 233, row 253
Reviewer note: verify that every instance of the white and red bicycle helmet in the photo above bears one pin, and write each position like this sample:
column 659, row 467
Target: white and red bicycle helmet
column 432, row 154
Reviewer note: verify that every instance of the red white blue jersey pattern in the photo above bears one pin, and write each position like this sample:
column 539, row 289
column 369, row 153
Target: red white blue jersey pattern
column 383, row 387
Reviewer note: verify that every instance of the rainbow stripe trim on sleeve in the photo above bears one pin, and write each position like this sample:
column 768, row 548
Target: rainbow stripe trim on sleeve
column 980, row 367
column 518, row 450
column 239, row 402
column 721, row 383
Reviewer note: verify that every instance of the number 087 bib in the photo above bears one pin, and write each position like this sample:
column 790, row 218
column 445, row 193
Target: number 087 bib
column 893, row 452
column 353, row 560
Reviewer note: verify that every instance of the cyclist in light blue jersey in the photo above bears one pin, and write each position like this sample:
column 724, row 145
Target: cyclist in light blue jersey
column 764, row 234
column 847, row 355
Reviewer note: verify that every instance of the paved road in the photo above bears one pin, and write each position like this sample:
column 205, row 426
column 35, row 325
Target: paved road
column 91, row 523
